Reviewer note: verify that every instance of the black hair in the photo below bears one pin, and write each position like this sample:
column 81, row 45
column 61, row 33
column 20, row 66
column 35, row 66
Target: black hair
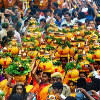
column 55, row 4
column 30, row 3
column 81, row 82
column 26, row 21
column 59, row 14
column 14, row 91
column 5, row 25
column 48, row 74
column 38, row 71
column 10, row 34
column 35, row 6
column 73, row 13
column 72, row 82
column 64, row 10
column 14, row 9
column 49, row 10
column 67, row 13
column 90, row 86
column 16, row 97
column 91, row 11
column 97, row 19
column 70, row 98
column 83, row 73
column 43, row 20
column 45, row 10
column 97, row 82
column 4, row 40
column 13, row 24
column 81, row 15
column 38, row 10
column 64, row 57
column 57, row 85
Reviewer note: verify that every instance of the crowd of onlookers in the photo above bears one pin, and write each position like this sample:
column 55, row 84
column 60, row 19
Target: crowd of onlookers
column 15, row 24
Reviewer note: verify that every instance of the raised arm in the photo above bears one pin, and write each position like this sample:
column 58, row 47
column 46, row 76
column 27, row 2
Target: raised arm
column 34, row 73
column 9, row 84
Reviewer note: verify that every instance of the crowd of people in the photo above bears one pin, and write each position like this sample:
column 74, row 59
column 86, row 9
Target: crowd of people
column 44, row 85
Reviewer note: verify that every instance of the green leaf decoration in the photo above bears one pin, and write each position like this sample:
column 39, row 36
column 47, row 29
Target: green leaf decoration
column 98, row 40
column 51, row 30
column 7, row 54
column 19, row 67
column 37, row 57
column 32, row 39
column 69, row 66
column 59, row 41
column 91, row 41
column 42, row 59
column 79, row 58
column 87, row 33
column 80, row 28
column 49, row 47
column 64, row 31
column 24, row 39
column 31, row 23
column 0, row 71
column 68, row 44
column 90, row 60
column 97, row 33
column 57, row 63
column 91, row 52
column 78, row 67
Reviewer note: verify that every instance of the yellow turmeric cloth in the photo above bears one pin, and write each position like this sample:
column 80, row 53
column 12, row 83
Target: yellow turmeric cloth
column 5, row 88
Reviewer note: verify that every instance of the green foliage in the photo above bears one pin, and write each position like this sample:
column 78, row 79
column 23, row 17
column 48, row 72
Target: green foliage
column 31, row 23
column 59, row 42
column 32, row 39
column 57, row 63
column 42, row 59
column 49, row 47
column 71, row 65
column 97, row 33
column 14, row 68
column 0, row 71
column 90, row 60
column 38, row 30
column 2, row 94
column 7, row 54
column 87, row 33
column 91, row 52
column 79, row 58
column 51, row 30
column 91, row 41
column 24, row 39
column 98, row 40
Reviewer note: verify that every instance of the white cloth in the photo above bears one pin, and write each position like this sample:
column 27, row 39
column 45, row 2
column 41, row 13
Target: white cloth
column 40, row 17
column 95, row 74
column 17, row 35
column 82, row 20
column 3, row 33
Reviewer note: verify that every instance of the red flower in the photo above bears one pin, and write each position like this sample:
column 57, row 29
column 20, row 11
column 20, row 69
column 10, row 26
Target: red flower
column 21, row 69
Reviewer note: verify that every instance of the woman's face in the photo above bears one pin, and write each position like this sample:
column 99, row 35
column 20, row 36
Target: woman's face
column 72, row 86
column 19, row 90
column 44, row 78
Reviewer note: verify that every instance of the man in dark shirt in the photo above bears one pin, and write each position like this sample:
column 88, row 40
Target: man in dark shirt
column 55, row 7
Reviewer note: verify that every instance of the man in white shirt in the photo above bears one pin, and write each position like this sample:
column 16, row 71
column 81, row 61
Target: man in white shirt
column 67, row 20
column 16, row 35
column 3, row 32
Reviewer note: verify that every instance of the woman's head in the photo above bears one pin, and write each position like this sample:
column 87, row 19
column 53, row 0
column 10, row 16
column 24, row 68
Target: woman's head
column 19, row 89
column 81, row 15
column 72, row 85
column 17, row 97
column 45, row 77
